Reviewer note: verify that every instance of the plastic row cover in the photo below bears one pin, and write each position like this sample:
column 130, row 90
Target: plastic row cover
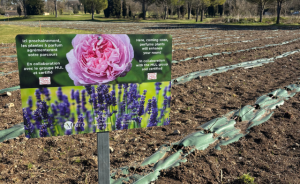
column 253, row 48
column 224, row 129
column 246, row 65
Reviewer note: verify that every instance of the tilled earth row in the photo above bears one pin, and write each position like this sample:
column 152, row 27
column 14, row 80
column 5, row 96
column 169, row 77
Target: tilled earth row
column 214, row 39
column 182, row 54
column 270, row 152
column 269, row 146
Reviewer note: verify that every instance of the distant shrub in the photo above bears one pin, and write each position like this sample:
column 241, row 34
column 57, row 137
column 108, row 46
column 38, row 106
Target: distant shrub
column 75, row 10
column 141, row 15
column 2, row 12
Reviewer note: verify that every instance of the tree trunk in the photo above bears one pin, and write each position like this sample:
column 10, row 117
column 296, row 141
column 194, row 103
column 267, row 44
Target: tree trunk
column 189, row 10
column 197, row 14
column 24, row 6
column 92, row 9
column 178, row 12
column 144, row 10
column 261, row 13
column 55, row 7
column 202, row 11
column 278, row 11
column 165, row 12
column 223, row 9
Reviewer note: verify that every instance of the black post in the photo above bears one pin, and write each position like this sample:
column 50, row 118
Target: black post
column 103, row 157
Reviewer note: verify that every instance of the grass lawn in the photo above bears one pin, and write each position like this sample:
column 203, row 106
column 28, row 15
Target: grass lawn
column 98, row 18
column 9, row 32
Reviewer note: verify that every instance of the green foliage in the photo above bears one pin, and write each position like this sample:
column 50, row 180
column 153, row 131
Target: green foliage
column 77, row 160
column 113, row 8
column 35, row 7
column 30, row 166
column 247, row 179
column 101, row 5
column 75, row 9
column 182, row 10
column 193, row 12
column 2, row 12
column 91, row 6
column 177, row 3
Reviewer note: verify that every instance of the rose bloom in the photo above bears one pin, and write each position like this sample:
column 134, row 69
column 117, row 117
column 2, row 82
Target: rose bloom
column 99, row 58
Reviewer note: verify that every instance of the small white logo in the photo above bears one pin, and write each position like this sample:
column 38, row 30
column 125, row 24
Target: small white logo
column 152, row 76
column 45, row 80
column 68, row 125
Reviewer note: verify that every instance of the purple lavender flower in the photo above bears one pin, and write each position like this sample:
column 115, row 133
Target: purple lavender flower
column 54, row 109
column 113, row 98
column 37, row 115
column 94, row 100
column 67, row 105
column 141, row 106
column 43, row 131
column 59, row 94
column 79, row 126
column 167, row 122
column 101, row 121
column 132, row 94
column 165, row 91
column 119, row 123
column 165, row 103
column 89, row 118
column 28, row 125
column 148, row 108
column 169, row 102
column 120, row 89
column 126, row 121
column 29, row 102
column 138, row 120
column 43, row 110
column 47, row 94
column 68, row 132
column 78, row 110
column 88, row 89
column 83, row 101
column 157, row 87
column 72, row 94
column 153, row 117
column 38, row 95
column 77, row 97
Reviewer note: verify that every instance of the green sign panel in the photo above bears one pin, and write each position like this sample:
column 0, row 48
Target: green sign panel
column 75, row 84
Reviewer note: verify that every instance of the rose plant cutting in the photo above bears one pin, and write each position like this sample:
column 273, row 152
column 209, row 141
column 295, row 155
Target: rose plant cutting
column 99, row 58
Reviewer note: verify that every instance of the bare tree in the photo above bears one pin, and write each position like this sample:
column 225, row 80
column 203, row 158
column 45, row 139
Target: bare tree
column 261, row 6
column 178, row 4
column 164, row 4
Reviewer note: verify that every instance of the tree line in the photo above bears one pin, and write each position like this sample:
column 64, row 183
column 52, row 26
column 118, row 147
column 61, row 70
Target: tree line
column 121, row 8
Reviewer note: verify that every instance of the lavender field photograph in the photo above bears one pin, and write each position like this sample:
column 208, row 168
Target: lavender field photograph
column 58, row 111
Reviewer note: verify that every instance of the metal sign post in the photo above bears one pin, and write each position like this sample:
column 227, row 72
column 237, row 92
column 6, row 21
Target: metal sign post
column 103, row 157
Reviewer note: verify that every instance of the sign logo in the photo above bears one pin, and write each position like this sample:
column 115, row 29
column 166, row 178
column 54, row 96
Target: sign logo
column 68, row 125
column 152, row 76
column 44, row 80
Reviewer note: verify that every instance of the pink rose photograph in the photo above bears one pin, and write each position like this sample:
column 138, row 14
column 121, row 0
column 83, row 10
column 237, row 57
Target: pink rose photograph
column 99, row 58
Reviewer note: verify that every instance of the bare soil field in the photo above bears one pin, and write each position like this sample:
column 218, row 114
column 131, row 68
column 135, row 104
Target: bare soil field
column 269, row 153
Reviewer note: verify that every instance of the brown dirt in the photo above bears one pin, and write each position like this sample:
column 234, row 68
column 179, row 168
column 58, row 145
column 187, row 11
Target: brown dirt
column 269, row 153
